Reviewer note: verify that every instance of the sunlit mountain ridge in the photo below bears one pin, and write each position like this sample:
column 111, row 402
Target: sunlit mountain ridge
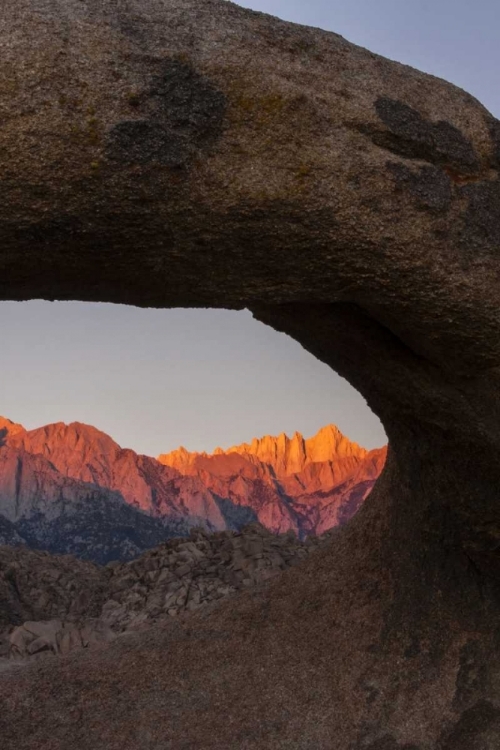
column 72, row 488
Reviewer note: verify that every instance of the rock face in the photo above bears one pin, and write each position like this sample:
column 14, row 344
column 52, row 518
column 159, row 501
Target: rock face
column 193, row 153
column 55, row 637
column 72, row 489
column 38, row 586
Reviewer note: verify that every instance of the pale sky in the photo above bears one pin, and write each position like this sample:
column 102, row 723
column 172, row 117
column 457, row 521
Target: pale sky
column 156, row 379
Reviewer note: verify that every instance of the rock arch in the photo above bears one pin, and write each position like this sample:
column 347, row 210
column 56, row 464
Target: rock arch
column 199, row 154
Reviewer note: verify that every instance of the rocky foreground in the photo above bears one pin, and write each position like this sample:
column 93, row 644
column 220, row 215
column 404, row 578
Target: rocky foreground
column 55, row 604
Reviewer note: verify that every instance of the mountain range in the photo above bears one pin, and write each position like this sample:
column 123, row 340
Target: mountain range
column 72, row 489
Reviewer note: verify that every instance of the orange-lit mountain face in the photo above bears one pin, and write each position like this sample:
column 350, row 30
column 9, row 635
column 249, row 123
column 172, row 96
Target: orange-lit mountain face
column 307, row 485
column 304, row 485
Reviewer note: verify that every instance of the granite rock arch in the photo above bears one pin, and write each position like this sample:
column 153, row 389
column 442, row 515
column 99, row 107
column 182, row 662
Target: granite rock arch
column 198, row 154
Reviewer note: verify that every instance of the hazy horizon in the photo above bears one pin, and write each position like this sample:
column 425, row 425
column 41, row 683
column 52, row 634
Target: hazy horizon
column 157, row 379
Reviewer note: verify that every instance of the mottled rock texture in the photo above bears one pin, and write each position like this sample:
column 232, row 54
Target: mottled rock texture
column 195, row 153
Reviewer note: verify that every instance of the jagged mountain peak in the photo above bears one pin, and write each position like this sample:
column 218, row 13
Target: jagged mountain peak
column 8, row 427
column 286, row 455
column 69, row 472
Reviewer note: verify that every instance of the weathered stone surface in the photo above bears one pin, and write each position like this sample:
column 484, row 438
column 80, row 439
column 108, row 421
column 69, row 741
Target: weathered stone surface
column 352, row 202
column 37, row 586
column 56, row 637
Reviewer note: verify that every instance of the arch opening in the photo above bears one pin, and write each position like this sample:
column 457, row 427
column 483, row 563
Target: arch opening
column 137, row 403
column 198, row 154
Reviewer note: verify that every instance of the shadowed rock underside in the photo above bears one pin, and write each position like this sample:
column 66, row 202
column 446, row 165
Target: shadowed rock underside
column 199, row 154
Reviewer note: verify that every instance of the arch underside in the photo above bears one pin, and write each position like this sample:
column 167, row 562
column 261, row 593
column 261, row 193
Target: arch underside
column 198, row 154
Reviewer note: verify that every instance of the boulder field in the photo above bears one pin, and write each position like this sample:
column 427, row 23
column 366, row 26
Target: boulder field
column 52, row 604
column 194, row 153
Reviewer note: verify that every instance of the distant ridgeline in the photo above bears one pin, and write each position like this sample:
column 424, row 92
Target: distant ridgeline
column 72, row 489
